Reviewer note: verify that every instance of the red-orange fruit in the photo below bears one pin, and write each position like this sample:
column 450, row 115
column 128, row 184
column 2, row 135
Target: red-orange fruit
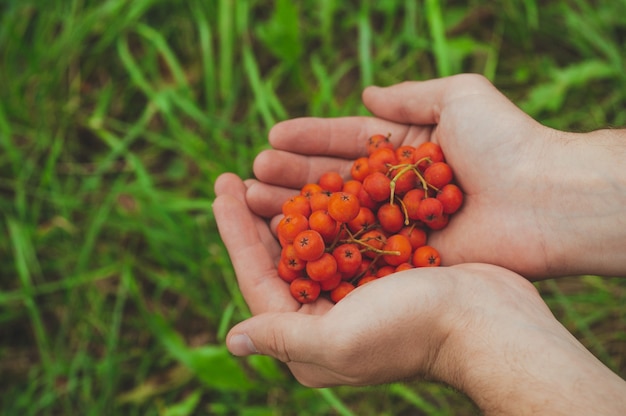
column 305, row 290
column 343, row 207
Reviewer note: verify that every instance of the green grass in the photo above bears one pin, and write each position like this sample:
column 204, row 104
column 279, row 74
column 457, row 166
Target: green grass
column 117, row 116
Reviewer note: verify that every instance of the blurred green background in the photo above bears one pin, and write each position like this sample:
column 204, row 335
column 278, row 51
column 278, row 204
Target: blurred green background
column 117, row 116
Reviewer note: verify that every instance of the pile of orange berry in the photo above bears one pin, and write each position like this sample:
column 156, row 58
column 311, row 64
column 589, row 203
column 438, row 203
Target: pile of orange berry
column 337, row 233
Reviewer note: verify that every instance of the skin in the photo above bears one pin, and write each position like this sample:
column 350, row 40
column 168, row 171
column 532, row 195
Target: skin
column 479, row 327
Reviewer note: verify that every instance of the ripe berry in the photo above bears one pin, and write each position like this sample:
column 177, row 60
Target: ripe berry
column 289, row 226
column 360, row 169
column 323, row 268
column 390, row 217
column 385, row 271
column 332, row 282
column 297, row 204
column 309, row 245
column 400, row 244
column 426, row 256
column 366, row 279
column 352, row 186
column 378, row 141
column 287, row 274
column 417, row 236
column 405, row 154
column 310, row 189
column 381, row 159
column 343, row 207
column 305, row 290
column 411, row 201
column 365, row 219
column 403, row 180
column 348, row 258
column 323, row 223
column 427, row 153
column 331, row 181
column 319, row 201
column 289, row 256
column 438, row 174
column 341, row 291
column 377, row 186
column 429, row 210
column 375, row 239
column 451, row 198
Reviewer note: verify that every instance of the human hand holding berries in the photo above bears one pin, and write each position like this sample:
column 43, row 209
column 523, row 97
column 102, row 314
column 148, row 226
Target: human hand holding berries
column 472, row 326
column 523, row 208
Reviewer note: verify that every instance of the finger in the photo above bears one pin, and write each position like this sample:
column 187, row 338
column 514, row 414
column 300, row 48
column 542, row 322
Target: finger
column 422, row 102
column 293, row 170
column 252, row 258
column 229, row 183
column 267, row 200
column 341, row 137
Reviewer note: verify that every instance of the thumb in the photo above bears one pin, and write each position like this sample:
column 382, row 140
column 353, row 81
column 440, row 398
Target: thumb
column 421, row 102
column 286, row 336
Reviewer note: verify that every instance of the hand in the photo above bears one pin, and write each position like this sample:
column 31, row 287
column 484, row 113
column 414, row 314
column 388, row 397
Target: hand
column 472, row 326
column 540, row 202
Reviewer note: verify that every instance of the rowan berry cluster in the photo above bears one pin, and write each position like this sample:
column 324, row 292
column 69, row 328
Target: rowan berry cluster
column 338, row 234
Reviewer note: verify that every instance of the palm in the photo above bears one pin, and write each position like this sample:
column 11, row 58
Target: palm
column 254, row 252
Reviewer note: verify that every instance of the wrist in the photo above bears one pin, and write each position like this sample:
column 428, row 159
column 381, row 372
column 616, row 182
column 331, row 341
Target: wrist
column 583, row 203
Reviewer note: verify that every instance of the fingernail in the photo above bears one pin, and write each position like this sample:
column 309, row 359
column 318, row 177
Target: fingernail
column 241, row 344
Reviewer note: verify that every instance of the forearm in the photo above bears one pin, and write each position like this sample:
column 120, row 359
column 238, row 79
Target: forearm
column 586, row 196
column 517, row 359
column 547, row 375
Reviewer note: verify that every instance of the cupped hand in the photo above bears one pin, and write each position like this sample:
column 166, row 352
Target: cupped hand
column 522, row 180
column 479, row 328
column 390, row 329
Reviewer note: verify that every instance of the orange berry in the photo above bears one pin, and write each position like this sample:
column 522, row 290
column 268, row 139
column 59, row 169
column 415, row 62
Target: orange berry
column 375, row 239
column 405, row 154
column 341, row 291
column 332, row 282
column 426, row 256
column 289, row 256
column 416, row 235
column 378, row 141
column 451, row 198
column 352, row 186
column 411, row 201
column 310, row 189
column 404, row 266
column 390, row 217
column 400, row 244
column 323, row 223
column 366, row 279
column 343, row 207
column 297, row 204
column 385, row 271
column 286, row 273
column 438, row 174
column 427, row 153
column 323, row 268
column 360, row 169
column 381, row 159
column 331, row 181
column 289, row 226
column 378, row 186
column 305, row 290
column 319, row 201
column 309, row 245
column 349, row 258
